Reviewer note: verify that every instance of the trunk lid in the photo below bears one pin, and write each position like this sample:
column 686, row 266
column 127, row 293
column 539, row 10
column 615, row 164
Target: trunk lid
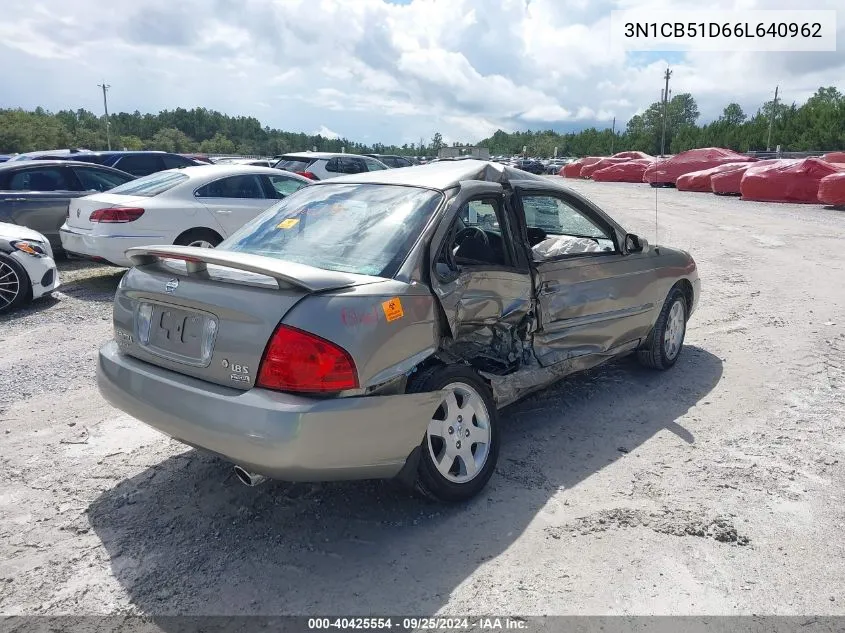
column 80, row 209
column 211, row 313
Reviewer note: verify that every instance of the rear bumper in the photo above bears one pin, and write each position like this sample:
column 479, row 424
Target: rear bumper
column 111, row 248
column 279, row 435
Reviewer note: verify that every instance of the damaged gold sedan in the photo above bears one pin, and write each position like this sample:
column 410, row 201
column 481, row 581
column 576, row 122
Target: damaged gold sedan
column 371, row 326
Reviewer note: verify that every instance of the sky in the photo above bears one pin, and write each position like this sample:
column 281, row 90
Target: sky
column 382, row 71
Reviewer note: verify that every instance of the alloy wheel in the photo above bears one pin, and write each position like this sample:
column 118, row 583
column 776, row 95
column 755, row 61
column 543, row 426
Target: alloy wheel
column 458, row 436
column 10, row 285
column 673, row 338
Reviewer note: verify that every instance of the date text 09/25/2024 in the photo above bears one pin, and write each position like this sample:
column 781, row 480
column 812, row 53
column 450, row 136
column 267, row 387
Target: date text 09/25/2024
column 418, row 623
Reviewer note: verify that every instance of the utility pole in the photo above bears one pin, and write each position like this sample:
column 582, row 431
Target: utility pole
column 105, row 88
column 665, row 99
column 613, row 135
column 772, row 120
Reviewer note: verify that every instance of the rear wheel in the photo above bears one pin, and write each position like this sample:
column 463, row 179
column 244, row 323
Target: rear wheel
column 203, row 238
column 15, row 286
column 664, row 344
column 461, row 444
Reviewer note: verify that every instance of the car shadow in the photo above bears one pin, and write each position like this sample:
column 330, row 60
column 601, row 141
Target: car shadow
column 184, row 537
column 33, row 307
column 89, row 281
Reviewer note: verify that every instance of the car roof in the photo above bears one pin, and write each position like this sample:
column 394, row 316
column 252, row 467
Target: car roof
column 57, row 162
column 211, row 172
column 319, row 155
column 442, row 175
column 127, row 152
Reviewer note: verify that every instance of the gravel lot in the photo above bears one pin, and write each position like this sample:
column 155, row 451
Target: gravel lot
column 715, row 488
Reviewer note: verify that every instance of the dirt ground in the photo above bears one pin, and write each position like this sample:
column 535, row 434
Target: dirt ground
column 714, row 488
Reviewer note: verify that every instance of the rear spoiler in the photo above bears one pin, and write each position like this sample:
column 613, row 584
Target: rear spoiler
column 285, row 273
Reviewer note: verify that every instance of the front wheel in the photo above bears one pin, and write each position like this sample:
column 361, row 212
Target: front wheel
column 15, row 288
column 461, row 444
column 663, row 346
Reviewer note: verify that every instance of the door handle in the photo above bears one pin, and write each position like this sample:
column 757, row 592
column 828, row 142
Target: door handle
column 15, row 199
column 550, row 287
column 223, row 211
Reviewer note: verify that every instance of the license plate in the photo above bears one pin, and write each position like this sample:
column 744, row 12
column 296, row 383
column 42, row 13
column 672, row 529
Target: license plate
column 182, row 335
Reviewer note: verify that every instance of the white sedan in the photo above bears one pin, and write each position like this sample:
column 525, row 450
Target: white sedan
column 191, row 206
column 27, row 269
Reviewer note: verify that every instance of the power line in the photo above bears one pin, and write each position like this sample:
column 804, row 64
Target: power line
column 105, row 88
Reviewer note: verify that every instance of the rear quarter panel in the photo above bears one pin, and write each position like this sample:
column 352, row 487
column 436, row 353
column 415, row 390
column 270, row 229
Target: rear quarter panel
column 173, row 216
column 384, row 341
column 673, row 266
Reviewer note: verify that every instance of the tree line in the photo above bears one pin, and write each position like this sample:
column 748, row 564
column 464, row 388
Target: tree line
column 818, row 124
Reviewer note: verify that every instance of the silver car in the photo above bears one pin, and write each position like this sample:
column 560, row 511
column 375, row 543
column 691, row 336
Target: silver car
column 325, row 165
column 372, row 326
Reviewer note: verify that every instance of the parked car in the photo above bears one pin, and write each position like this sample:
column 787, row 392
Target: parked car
column 201, row 159
column 50, row 154
column 372, row 325
column 138, row 163
column 196, row 206
column 530, row 165
column 392, row 161
column 27, row 268
column 36, row 193
column 257, row 162
column 323, row 165
column 554, row 166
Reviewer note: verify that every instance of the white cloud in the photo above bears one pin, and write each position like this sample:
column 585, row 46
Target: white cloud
column 376, row 70
column 327, row 133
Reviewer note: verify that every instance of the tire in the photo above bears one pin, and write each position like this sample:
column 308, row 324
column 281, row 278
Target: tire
column 15, row 285
column 454, row 482
column 663, row 346
column 204, row 238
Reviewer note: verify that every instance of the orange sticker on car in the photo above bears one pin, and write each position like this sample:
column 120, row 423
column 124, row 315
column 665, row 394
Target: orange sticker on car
column 288, row 224
column 393, row 309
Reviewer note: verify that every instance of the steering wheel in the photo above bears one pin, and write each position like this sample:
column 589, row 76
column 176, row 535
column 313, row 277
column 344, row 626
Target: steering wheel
column 470, row 230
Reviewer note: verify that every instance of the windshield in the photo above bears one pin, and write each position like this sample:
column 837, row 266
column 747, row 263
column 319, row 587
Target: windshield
column 151, row 185
column 364, row 229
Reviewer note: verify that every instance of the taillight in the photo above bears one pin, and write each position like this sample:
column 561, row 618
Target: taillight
column 308, row 174
column 116, row 215
column 298, row 361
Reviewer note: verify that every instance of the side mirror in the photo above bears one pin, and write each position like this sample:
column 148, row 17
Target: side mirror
column 635, row 244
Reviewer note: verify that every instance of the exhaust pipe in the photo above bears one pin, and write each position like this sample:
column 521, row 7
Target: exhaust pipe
column 247, row 478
